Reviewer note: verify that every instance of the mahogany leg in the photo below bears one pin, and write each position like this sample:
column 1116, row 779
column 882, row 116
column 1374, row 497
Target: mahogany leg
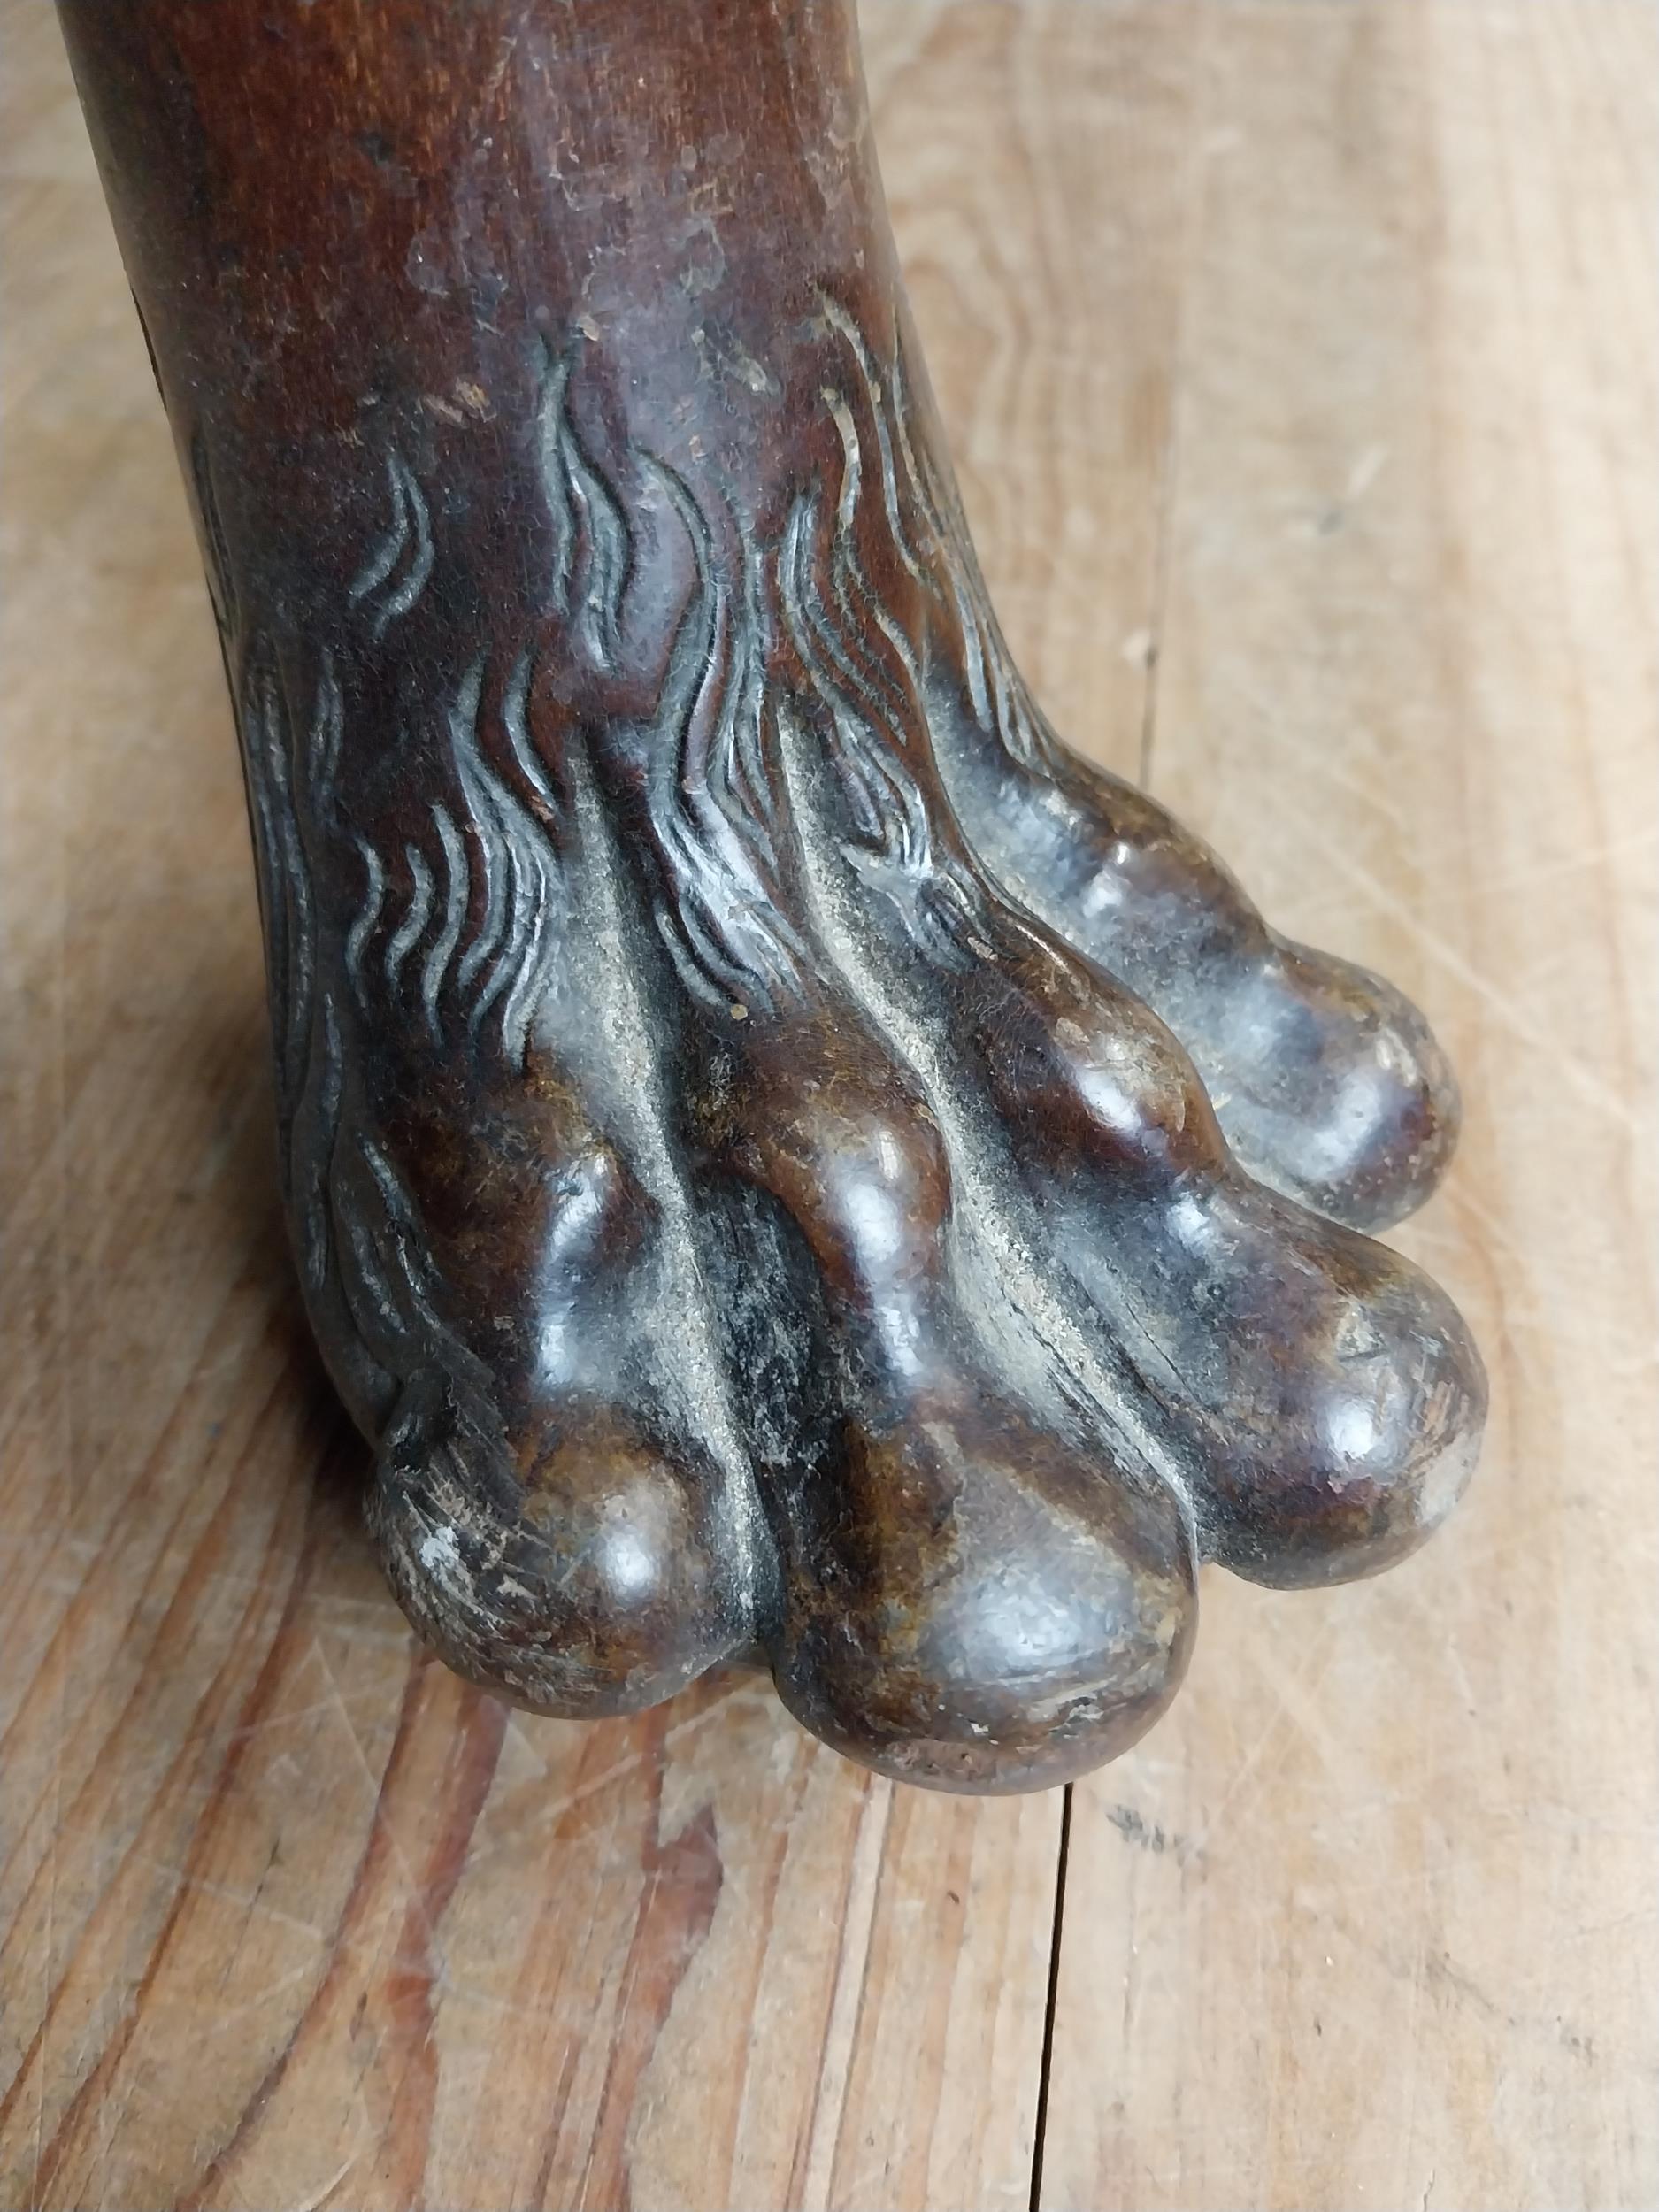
column 734, row 1182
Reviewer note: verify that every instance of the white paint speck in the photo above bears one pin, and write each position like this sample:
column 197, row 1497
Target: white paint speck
column 440, row 1556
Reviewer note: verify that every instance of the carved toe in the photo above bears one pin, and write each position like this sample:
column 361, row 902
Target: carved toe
column 595, row 1582
column 969, row 1605
column 1329, row 1083
column 1322, row 1398
column 1332, row 1087
column 1343, row 1404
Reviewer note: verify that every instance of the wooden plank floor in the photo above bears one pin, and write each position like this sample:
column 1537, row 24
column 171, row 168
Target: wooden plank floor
column 1299, row 358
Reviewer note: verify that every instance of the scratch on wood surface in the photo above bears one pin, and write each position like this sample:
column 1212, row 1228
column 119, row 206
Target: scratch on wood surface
column 822, row 2138
column 1528, row 877
column 1244, row 1775
column 249, row 1902
column 1422, row 1918
column 319, row 2197
column 622, row 1769
column 1564, row 1061
column 375, row 1782
column 1168, row 475
column 1322, row 762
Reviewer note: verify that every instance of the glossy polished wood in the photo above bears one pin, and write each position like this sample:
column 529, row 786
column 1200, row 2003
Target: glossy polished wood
column 741, row 1223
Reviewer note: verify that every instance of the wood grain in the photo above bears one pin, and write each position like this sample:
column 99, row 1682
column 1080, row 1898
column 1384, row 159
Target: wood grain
column 1297, row 359
column 1370, row 1921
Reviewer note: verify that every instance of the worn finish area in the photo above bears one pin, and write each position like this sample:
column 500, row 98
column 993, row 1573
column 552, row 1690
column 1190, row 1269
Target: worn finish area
column 1289, row 358
column 739, row 1223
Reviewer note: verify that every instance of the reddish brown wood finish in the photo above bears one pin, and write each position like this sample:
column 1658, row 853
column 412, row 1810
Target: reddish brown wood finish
column 743, row 1225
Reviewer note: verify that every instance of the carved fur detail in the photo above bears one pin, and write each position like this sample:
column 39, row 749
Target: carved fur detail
column 455, row 927
column 970, row 1128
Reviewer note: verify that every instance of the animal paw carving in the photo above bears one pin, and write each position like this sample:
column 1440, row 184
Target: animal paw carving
column 740, row 1195
column 1328, row 1083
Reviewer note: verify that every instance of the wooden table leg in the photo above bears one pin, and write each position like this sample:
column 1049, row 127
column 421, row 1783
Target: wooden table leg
column 739, row 1182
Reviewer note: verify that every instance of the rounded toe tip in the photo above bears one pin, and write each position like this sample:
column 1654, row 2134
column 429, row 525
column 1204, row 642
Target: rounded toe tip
column 590, row 1589
column 1384, row 1446
column 1046, row 1643
column 1341, row 1096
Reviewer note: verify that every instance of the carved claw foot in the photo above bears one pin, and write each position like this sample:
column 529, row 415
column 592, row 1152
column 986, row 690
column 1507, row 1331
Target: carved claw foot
column 734, row 1184
column 1328, row 1081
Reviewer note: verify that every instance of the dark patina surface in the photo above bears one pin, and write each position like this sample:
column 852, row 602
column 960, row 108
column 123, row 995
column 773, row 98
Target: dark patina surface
column 784, row 1160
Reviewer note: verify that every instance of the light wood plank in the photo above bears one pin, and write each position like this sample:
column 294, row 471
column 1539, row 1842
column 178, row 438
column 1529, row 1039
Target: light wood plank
column 1371, row 1920
column 1035, row 160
